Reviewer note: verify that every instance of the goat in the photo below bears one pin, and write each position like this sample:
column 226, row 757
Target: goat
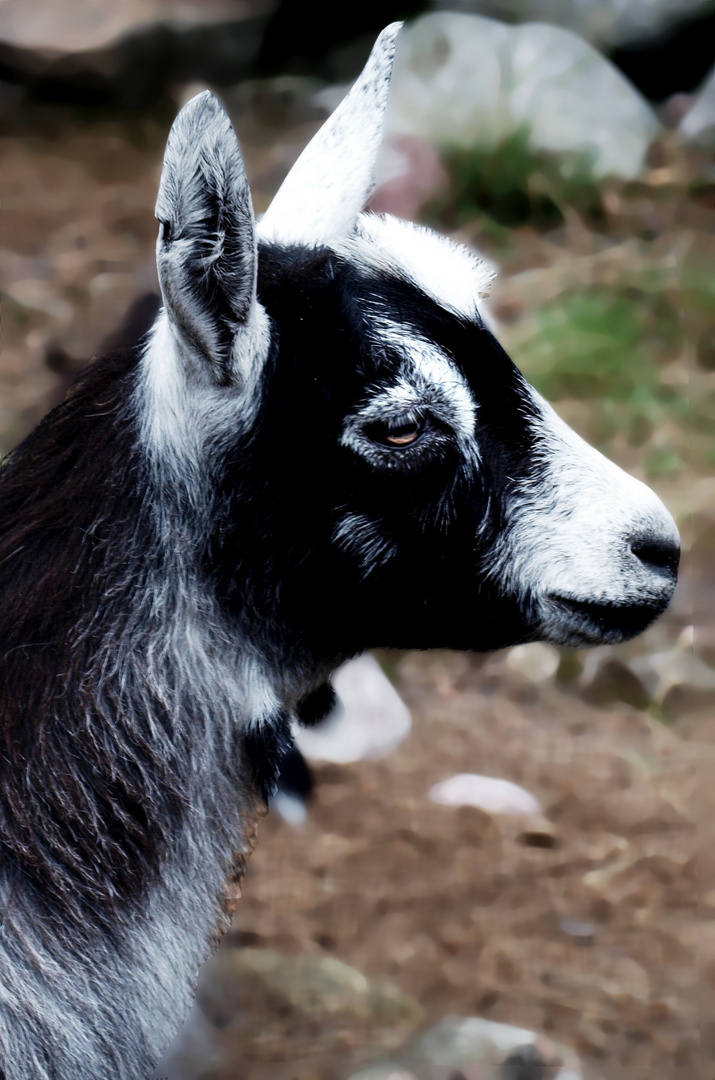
column 320, row 449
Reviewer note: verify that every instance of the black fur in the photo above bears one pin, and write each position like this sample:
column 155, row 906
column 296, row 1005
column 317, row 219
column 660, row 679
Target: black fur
column 295, row 477
column 265, row 748
column 176, row 588
column 74, row 546
column 317, row 706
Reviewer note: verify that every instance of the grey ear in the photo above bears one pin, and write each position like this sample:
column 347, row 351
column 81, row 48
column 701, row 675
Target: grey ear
column 206, row 251
column 333, row 179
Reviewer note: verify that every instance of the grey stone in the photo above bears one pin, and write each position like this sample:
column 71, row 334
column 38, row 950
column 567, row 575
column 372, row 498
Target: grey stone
column 370, row 721
column 262, row 1004
column 698, row 124
column 128, row 53
column 485, row 1046
column 467, row 81
column 613, row 679
column 603, row 22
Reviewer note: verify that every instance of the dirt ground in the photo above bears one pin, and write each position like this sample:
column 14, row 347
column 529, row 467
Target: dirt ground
column 466, row 913
column 473, row 915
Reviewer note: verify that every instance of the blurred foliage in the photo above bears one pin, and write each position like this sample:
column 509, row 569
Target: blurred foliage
column 628, row 352
column 618, row 308
column 514, row 185
column 606, row 346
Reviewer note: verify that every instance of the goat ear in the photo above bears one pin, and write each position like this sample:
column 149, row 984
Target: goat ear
column 206, row 251
column 333, row 179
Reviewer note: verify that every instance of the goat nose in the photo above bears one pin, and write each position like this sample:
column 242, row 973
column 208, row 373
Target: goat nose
column 659, row 554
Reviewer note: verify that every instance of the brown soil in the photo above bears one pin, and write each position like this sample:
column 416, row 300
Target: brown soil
column 466, row 912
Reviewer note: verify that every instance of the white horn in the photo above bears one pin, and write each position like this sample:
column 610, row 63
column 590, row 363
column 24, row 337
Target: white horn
column 333, row 179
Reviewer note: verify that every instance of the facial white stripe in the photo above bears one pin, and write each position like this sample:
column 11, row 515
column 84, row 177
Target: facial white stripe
column 429, row 374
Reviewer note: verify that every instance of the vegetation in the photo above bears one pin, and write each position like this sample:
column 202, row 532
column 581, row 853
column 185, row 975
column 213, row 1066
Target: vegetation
column 513, row 185
column 605, row 295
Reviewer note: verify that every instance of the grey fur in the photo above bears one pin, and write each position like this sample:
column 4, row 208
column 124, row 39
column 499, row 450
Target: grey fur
column 175, row 685
column 206, row 251
column 108, row 1006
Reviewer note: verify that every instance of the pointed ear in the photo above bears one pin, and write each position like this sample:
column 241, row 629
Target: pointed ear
column 333, row 179
column 206, row 251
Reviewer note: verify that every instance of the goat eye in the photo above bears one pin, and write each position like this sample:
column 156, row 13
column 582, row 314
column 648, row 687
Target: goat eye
column 402, row 431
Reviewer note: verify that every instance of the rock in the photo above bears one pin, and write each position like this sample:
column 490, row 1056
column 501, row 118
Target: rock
column 258, row 1005
column 467, row 81
column 524, row 1063
column 580, row 932
column 536, row 661
column 383, row 1072
column 698, row 124
column 677, row 679
column 304, row 985
column 371, row 720
column 607, row 678
column 77, row 26
column 488, row 793
column 42, row 296
column 465, row 1043
column 602, row 22
column 88, row 51
column 411, row 175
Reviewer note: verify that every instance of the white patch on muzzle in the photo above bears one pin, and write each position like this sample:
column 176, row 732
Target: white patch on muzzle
column 570, row 532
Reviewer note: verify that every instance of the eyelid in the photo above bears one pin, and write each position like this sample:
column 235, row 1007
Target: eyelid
column 386, row 432
column 408, row 417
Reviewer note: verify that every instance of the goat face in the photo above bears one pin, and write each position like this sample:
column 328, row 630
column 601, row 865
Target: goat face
column 388, row 477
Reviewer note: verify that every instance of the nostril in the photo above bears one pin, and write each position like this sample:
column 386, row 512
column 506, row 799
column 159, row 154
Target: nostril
column 656, row 552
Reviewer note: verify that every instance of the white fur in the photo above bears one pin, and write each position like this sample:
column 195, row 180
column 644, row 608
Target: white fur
column 431, row 374
column 334, row 177
column 184, row 413
column 427, row 382
column 569, row 526
column 451, row 274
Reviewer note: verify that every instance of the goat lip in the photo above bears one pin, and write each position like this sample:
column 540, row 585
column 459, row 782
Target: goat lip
column 585, row 622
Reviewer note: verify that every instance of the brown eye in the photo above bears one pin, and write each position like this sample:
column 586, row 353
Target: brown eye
column 399, row 432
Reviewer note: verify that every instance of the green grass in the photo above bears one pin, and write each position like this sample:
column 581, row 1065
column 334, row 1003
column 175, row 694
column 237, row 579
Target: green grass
column 640, row 350
column 512, row 185
column 603, row 343
column 608, row 347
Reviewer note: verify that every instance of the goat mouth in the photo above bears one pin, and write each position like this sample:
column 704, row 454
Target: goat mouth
column 581, row 622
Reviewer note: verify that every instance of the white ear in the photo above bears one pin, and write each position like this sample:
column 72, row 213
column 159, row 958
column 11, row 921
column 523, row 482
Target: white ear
column 334, row 177
column 206, row 251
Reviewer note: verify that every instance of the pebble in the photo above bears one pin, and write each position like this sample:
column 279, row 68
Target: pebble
column 536, row 661
column 488, row 793
column 581, row 932
column 372, row 719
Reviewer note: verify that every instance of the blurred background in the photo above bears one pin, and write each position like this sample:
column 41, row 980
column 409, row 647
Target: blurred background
column 558, row 929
